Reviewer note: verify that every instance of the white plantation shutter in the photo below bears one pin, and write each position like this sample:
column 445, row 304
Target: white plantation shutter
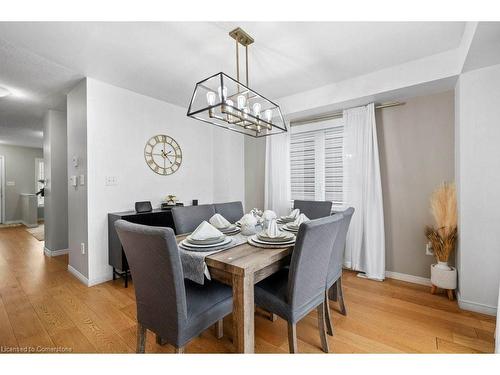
column 316, row 162
column 333, row 165
column 302, row 165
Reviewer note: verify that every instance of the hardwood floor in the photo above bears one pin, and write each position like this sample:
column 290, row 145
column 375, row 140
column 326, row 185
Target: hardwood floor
column 44, row 307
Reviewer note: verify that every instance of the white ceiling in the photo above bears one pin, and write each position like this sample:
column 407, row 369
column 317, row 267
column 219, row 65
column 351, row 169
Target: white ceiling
column 164, row 60
column 485, row 47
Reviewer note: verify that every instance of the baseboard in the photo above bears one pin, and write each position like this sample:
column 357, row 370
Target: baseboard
column 29, row 225
column 10, row 222
column 54, row 253
column 408, row 278
column 78, row 275
column 100, row 280
column 476, row 307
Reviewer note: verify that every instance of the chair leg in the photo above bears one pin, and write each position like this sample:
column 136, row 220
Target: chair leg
column 141, row 338
column 328, row 318
column 180, row 350
column 292, row 337
column 332, row 293
column 159, row 340
column 219, row 329
column 321, row 327
column 340, row 294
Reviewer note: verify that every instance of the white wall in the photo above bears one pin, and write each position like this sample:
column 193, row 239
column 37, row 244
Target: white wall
column 119, row 123
column 77, row 196
column 56, row 175
column 478, row 182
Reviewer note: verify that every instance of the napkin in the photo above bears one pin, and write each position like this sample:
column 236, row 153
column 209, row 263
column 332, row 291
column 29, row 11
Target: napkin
column 294, row 214
column 269, row 215
column 301, row 219
column 272, row 231
column 219, row 221
column 205, row 231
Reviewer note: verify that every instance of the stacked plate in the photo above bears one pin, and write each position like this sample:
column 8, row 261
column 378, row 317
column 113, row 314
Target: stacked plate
column 285, row 220
column 190, row 243
column 291, row 227
column 284, row 239
column 231, row 230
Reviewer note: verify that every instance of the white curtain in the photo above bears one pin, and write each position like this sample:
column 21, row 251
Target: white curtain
column 365, row 246
column 277, row 184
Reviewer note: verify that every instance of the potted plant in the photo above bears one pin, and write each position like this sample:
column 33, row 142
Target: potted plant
column 443, row 237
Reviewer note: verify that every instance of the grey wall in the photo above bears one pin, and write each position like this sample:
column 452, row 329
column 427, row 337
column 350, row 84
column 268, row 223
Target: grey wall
column 77, row 196
column 19, row 168
column 56, row 174
column 416, row 147
column 255, row 159
column 478, row 182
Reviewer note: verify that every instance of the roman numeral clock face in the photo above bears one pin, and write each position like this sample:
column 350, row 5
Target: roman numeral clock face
column 163, row 155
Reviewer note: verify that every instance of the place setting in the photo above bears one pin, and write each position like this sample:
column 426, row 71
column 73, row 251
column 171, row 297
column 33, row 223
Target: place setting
column 205, row 237
column 289, row 218
column 293, row 227
column 223, row 225
column 272, row 237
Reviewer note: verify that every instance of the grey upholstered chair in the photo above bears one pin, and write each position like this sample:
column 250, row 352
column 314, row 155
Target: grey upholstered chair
column 175, row 309
column 232, row 211
column 186, row 219
column 334, row 279
column 292, row 293
column 313, row 209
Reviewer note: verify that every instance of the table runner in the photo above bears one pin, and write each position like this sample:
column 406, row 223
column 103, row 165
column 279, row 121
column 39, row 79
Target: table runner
column 193, row 262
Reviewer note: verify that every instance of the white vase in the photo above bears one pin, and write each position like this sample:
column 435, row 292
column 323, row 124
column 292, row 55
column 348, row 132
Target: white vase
column 443, row 266
column 445, row 278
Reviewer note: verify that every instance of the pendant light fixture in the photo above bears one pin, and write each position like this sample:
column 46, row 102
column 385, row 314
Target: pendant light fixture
column 226, row 102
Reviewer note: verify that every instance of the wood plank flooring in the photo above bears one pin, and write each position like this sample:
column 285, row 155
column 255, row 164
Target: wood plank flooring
column 44, row 308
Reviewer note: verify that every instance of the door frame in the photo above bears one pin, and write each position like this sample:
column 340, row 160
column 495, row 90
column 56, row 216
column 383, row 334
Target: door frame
column 2, row 189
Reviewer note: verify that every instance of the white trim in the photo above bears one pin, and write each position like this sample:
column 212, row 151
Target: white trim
column 408, row 278
column 78, row 275
column 54, row 253
column 29, row 225
column 2, row 189
column 100, row 280
column 475, row 306
column 13, row 222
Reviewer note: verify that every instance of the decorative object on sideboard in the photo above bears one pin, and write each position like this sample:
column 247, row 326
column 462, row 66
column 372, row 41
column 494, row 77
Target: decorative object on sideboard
column 195, row 202
column 226, row 102
column 144, row 206
column 171, row 199
column 443, row 237
column 163, row 154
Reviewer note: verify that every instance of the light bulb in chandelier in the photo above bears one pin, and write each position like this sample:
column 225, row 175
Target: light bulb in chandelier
column 222, row 93
column 241, row 101
column 268, row 115
column 256, row 109
column 211, row 98
column 245, row 112
column 229, row 106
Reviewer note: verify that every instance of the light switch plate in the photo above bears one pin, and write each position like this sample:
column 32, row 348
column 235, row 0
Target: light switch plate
column 111, row 181
column 82, row 179
column 73, row 181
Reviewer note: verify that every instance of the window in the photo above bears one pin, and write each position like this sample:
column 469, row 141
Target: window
column 316, row 169
column 39, row 175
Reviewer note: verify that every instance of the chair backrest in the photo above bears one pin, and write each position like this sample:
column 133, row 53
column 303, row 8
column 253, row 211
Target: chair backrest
column 310, row 259
column 186, row 219
column 156, row 268
column 337, row 258
column 232, row 211
column 313, row 209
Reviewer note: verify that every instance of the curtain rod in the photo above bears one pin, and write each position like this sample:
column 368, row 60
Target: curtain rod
column 338, row 114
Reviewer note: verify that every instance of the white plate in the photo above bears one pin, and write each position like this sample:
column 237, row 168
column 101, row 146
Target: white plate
column 284, row 237
column 269, row 245
column 230, row 228
column 195, row 246
column 285, row 227
column 257, row 240
column 208, row 241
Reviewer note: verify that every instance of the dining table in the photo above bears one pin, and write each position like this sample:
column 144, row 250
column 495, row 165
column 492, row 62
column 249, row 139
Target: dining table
column 241, row 267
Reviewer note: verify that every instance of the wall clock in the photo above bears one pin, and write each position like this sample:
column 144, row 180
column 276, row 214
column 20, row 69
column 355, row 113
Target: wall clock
column 163, row 154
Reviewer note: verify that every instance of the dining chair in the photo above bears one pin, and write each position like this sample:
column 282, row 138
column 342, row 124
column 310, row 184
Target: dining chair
column 175, row 309
column 293, row 292
column 187, row 218
column 232, row 211
column 333, row 289
column 313, row 209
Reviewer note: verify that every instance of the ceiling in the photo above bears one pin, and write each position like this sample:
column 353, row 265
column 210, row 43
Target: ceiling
column 41, row 61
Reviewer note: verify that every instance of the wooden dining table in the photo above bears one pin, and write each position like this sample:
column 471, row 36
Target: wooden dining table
column 241, row 267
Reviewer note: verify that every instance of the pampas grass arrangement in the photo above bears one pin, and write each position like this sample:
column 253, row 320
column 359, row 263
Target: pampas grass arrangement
column 443, row 236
